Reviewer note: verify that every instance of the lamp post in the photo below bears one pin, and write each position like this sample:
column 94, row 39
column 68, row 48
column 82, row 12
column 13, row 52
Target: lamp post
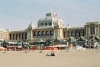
column 52, row 42
column 41, row 44
column 90, row 43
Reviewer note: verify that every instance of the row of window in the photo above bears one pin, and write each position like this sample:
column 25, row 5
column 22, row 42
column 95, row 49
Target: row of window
column 43, row 36
column 43, row 33
column 45, row 24
column 16, row 36
column 76, row 33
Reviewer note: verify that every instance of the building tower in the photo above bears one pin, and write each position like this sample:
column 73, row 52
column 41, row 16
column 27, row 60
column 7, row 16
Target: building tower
column 30, row 32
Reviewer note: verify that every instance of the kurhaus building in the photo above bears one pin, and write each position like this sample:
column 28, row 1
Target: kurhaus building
column 51, row 27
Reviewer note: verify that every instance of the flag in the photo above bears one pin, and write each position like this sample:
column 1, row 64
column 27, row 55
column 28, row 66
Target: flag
column 50, row 3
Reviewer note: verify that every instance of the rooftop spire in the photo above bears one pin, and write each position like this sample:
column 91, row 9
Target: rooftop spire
column 51, row 11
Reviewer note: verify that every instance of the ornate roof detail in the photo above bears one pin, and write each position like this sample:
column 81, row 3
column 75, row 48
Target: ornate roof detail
column 4, row 30
column 68, row 26
column 31, row 26
column 93, row 23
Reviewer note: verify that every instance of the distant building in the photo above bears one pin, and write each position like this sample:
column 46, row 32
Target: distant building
column 51, row 27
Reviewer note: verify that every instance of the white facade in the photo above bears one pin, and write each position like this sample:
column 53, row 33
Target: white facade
column 51, row 27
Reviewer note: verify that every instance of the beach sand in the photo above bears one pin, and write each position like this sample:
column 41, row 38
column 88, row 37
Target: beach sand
column 63, row 58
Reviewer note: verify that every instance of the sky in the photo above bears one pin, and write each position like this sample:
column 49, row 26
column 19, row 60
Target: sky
column 18, row 14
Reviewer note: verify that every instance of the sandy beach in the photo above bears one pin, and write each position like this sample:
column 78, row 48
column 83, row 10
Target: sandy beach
column 63, row 58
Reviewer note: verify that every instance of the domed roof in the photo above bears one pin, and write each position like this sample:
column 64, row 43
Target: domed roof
column 52, row 18
column 31, row 25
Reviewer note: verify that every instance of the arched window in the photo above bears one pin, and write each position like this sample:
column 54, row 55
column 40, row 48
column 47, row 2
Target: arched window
column 34, row 33
column 41, row 24
column 45, row 23
column 39, row 33
column 47, row 33
column 42, row 33
column 51, row 32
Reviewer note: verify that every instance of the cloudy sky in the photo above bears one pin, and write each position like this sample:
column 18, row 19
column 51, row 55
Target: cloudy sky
column 17, row 14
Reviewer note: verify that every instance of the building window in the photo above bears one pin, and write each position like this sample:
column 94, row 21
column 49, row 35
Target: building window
column 19, row 35
column 13, row 36
column 81, row 33
column 73, row 33
column 96, row 31
column 35, row 33
column 45, row 24
column 25, row 36
column 47, row 33
column 51, row 32
column 16, row 36
column 92, row 30
column 41, row 24
column 22, row 36
column 64, row 34
column 39, row 33
column 42, row 33
column 50, row 23
column 10, row 36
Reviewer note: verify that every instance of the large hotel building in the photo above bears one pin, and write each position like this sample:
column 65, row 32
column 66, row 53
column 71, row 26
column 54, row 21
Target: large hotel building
column 51, row 27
